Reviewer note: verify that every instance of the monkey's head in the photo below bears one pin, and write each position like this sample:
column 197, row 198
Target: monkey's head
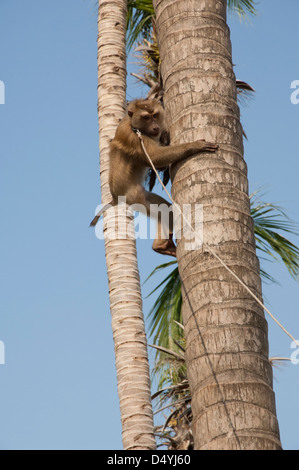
column 148, row 117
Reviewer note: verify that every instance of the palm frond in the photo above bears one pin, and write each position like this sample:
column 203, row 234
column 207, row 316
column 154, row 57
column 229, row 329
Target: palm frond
column 166, row 309
column 139, row 20
column 159, row 268
column 243, row 8
column 245, row 91
column 179, row 357
column 269, row 220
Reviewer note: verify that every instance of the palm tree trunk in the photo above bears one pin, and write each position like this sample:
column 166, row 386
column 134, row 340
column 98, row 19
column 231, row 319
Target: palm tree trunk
column 123, row 275
column 229, row 372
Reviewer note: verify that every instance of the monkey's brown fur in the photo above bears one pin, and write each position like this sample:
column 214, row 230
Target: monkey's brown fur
column 129, row 164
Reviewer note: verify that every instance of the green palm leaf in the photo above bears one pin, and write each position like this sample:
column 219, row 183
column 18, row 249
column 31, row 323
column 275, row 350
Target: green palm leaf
column 242, row 7
column 269, row 220
column 169, row 302
column 139, row 20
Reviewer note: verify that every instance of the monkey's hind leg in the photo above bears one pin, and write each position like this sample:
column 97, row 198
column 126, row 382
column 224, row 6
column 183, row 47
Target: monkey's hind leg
column 161, row 210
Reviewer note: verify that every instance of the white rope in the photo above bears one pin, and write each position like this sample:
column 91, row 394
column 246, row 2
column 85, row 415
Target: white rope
column 211, row 251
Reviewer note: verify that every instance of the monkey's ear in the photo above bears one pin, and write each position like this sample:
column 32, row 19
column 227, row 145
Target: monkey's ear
column 130, row 113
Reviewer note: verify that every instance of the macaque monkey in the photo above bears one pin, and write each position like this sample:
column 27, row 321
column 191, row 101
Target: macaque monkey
column 129, row 164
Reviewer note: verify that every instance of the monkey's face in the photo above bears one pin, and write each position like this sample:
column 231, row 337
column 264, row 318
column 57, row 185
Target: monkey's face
column 150, row 124
column 147, row 123
column 148, row 117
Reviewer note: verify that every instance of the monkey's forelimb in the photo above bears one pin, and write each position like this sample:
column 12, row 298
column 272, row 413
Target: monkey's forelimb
column 94, row 221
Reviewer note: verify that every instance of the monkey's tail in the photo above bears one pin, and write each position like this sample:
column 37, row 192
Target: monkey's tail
column 94, row 221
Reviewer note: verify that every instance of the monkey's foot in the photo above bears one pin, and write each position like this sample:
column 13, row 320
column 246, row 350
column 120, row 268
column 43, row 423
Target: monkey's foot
column 165, row 247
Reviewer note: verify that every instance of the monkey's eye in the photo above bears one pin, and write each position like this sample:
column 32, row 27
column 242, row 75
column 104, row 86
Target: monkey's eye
column 156, row 115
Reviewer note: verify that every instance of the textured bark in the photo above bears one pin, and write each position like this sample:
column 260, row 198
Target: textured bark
column 123, row 275
column 229, row 372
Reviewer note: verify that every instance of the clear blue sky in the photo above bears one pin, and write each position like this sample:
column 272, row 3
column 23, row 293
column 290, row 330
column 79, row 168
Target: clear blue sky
column 58, row 386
